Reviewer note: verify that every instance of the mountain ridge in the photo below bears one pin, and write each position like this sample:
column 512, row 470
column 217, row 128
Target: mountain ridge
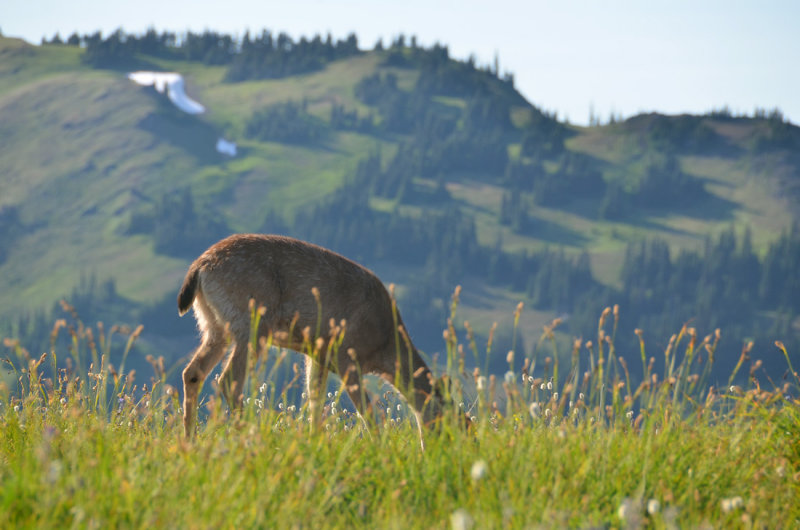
column 108, row 179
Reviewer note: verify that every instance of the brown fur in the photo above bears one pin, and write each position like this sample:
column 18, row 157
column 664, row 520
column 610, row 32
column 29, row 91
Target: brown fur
column 279, row 274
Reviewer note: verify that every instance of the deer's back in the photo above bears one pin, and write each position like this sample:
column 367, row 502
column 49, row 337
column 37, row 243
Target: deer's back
column 280, row 272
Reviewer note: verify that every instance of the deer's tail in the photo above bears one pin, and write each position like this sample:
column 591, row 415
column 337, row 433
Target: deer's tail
column 189, row 289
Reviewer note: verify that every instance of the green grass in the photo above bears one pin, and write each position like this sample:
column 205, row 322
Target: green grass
column 102, row 449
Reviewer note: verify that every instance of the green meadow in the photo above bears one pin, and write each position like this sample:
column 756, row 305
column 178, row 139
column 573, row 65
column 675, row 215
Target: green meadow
column 549, row 446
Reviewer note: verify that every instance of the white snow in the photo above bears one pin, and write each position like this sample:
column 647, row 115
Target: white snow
column 172, row 84
column 225, row 147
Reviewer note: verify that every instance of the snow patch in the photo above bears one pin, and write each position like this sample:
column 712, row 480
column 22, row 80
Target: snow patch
column 225, row 147
column 172, row 84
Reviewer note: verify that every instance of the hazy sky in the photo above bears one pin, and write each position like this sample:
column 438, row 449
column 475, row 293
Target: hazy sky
column 568, row 56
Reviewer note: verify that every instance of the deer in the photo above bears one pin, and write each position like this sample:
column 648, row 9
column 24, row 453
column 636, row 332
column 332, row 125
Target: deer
column 301, row 286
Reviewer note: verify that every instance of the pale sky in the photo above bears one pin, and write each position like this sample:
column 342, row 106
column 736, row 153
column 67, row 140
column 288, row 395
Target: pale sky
column 624, row 57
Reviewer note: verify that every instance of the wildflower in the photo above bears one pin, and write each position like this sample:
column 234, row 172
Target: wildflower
column 330, row 395
column 624, row 509
column 16, row 408
column 729, row 505
column 629, row 414
column 581, row 396
column 147, row 404
column 480, row 383
column 303, row 395
column 54, row 471
column 280, row 405
column 461, row 520
column 388, row 411
column 653, row 506
column 63, row 401
column 630, row 511
column 262, row 388
column 530, row 379
column 292, row 408
column 547, row 413
column 478, row 471
column 535, row 410
column 549, row 385
column 555, row 396
column 542, row 386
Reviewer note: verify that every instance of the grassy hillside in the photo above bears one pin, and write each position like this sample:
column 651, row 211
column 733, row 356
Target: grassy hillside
column 86, row 153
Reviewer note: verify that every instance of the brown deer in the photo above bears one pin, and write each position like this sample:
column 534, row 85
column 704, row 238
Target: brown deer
column 280, row 273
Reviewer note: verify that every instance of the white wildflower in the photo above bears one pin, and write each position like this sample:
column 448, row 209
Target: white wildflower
column 629, row 414
column 549, row 385
column 555, row 396
column 479, row 470
column 461, row 520
column 480, row 383
column 535, row 410
column 653, row 506
column 734, row 503
column 399, row 407
column 542, row 386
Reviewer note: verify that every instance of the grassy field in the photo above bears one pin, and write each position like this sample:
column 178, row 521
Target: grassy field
column 570, row 446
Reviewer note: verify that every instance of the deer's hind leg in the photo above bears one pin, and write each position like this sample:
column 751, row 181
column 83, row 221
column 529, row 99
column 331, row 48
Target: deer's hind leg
column 203, row 361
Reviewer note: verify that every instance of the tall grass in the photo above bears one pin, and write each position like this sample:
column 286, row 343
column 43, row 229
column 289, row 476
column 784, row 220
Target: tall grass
column 590, row 444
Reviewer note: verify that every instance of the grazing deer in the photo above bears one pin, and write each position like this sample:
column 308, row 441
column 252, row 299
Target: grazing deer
column 279, row 273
